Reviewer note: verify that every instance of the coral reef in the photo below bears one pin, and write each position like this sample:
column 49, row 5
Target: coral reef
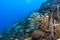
column 36, row 26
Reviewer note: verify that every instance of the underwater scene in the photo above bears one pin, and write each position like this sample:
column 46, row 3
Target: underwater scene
column 40, row 24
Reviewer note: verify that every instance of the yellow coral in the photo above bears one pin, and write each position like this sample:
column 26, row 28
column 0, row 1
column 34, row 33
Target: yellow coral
column 57, row 29
column 29, row 38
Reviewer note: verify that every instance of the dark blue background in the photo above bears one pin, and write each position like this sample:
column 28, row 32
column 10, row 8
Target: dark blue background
column 12, row 10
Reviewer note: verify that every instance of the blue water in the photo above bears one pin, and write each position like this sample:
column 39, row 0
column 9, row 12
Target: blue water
column 12, row 10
